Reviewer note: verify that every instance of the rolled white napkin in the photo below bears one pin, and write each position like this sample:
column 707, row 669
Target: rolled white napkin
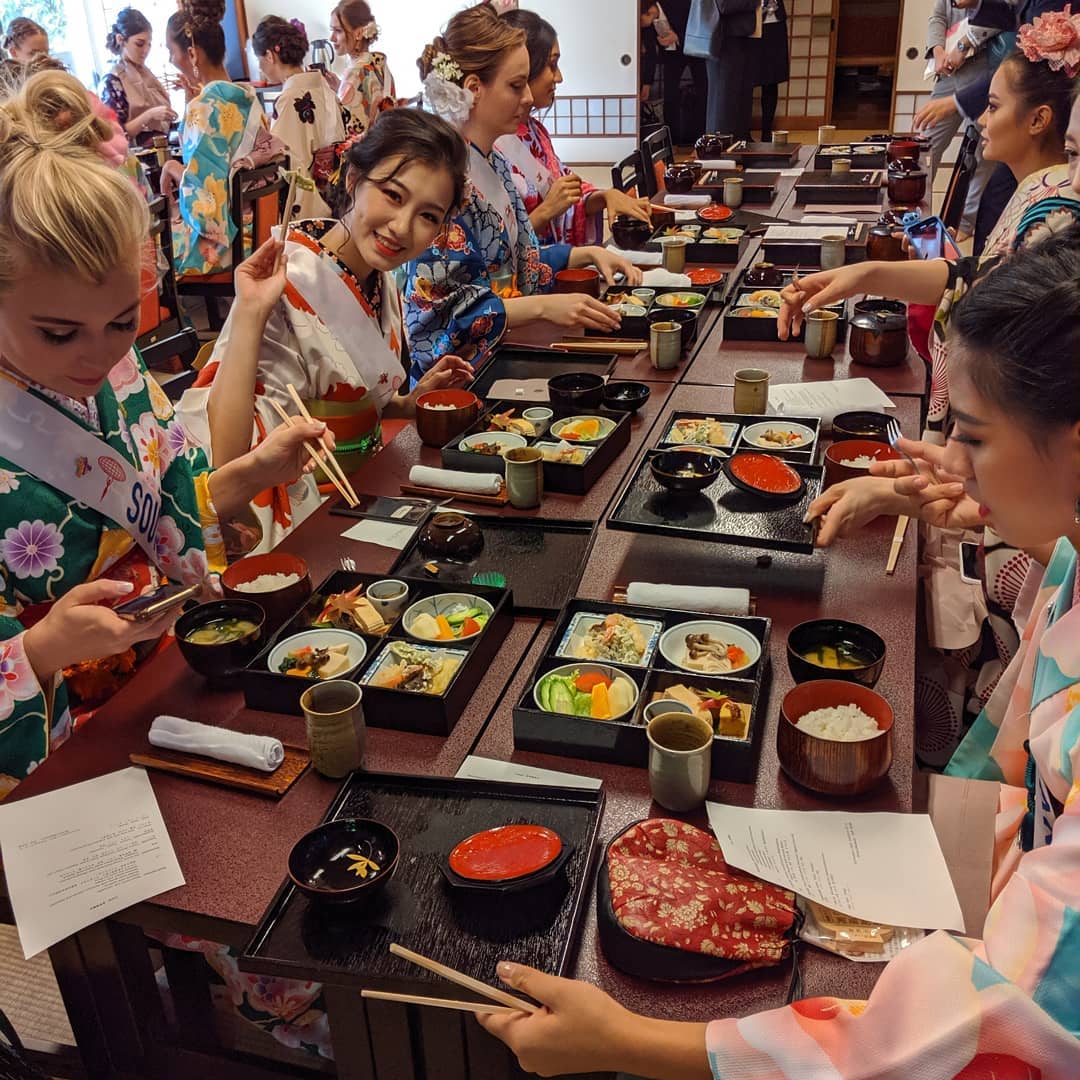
column 454, row 480
column 689, row 598
column 687, row 202
column 661, row 278
column 638, row 258
column 717, row 163
column 685, row 217
column 254, row 751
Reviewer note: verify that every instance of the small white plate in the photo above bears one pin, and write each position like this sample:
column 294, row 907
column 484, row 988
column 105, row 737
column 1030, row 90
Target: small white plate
column 673, row 644
column 752, row 435
column 606, row 428
column 508, row 440
column 443, row 604
column 387, row 658
column 730, row 431
column 583, row 621
column 586, row 668
column 320, row 639
column 581, row 448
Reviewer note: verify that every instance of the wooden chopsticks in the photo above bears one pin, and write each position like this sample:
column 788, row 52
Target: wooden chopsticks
column 621, row 347
column 330, row 459
column 897, row 543
column 439, row 1003
column 323, row 460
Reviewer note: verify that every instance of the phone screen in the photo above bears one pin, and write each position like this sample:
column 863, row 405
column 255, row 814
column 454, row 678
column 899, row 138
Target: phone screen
column 931, row 240
column 969, row 562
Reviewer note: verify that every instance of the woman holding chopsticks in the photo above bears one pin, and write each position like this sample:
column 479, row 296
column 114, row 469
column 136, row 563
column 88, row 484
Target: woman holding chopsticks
column 325, row 321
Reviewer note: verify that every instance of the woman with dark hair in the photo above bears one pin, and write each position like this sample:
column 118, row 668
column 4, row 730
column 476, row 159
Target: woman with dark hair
column 131, row 89
column 24, row 39
column 368, row 87
column 563, row 208
column 224, row 125
column 329, row 320
column 307, row 115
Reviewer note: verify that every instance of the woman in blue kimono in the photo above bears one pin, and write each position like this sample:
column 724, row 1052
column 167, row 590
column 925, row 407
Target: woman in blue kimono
column 487, row 273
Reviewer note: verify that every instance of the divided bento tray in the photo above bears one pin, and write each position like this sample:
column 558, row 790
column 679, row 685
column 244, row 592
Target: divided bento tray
column 733, row 428
column 470, row 931
column 764, row 328
column 759, row 188
column 637, row 326
column 863, row 155
column 702, row 248
column 757, row 154
column 857, row 186
column 807, row 253
column 565, row 477
column 404, row 710
column 541, row 558
column 520, row 363
column 623, row 740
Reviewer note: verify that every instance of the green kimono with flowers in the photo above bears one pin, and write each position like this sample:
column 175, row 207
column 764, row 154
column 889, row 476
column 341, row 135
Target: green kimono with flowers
column 49, row 543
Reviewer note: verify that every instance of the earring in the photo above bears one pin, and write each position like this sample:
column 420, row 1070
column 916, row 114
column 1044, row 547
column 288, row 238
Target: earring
column 1076, row 512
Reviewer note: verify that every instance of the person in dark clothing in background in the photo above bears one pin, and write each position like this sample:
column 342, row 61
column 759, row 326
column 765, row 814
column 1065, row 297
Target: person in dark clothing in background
column 649, row 11
column 686, row 123
column 770, row 61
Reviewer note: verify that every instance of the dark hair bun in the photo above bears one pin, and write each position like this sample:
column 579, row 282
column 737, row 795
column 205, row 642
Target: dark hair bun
column 203, row 12
column 287, row 40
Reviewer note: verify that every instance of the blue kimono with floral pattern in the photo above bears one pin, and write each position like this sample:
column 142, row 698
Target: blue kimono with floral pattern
column 454, row 291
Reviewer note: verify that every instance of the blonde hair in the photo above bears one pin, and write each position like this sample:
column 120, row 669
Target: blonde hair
column 477, row 40
column 61, row 206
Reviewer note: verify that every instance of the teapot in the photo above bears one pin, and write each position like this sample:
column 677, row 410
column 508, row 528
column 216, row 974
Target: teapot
column 878, row 333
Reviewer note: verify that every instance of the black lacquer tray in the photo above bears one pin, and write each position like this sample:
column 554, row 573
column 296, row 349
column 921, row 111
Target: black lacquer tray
column 737, row 424
column 471, row 932
column 737, row 328
column 541, row 559
column 857, row 186
column 519, row 362
column 756, row 155
column 759, row 188
column 827, row 153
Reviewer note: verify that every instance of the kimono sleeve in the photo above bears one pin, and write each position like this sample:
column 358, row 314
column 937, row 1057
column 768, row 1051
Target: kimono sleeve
column 114, row 95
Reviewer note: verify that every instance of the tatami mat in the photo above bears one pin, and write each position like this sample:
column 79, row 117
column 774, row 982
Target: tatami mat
column 29, row 994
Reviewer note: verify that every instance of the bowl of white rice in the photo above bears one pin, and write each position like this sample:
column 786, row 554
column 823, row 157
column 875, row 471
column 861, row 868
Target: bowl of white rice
column 278, row 582
column 853, row 457
column 835, row 737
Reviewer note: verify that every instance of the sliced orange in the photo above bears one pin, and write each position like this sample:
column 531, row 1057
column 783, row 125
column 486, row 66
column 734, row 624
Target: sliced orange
column 601, row 706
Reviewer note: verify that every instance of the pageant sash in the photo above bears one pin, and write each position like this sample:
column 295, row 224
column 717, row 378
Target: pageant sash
column 332, row 300
column 490, row 185
column 51, row 446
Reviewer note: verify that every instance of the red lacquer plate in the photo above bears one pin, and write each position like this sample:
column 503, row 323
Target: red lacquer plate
column 764, row 474
column 705, row 275
column 505, row 853
column 714, row 213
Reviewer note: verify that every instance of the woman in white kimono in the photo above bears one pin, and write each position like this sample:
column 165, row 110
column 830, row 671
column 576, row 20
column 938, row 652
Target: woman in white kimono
column 307, row 115
column 328, row 321
column 367, row 88
column 487, row 272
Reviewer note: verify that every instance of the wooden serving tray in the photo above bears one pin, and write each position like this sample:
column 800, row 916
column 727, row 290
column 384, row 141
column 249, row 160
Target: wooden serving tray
column 272, row 785
column 502, row 499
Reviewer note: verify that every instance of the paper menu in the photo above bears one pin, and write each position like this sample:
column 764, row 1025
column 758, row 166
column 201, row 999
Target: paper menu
column 802, row 232
column 77, row 855
column 862, row 864
column 383, row 533
column 481, row 768
column 827, row 399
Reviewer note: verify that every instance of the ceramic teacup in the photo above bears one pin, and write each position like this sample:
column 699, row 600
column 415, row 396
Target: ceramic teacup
column 680, row 759
column 388, row 597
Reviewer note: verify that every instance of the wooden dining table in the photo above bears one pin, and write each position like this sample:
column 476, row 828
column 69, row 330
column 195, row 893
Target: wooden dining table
column 232, row 846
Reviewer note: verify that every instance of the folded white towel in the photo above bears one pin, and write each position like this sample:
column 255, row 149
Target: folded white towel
column 689, row 598
column 717, row 163
column 254, row 751
column 661, row 278
column 454, row 480
column 687, row 202
column 638, row 258
column 686, row 217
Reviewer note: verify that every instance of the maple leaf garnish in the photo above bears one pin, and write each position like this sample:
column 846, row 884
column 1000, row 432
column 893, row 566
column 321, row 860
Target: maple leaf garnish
column 362, row 865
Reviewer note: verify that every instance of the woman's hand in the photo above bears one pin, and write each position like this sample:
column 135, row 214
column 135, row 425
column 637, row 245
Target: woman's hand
column 448, row 372
column 610, row 264
column 816, row 291
column 157, row 119
column 564, row 193
column 260, row 279
column 79, row 626
column 576, row 309
column 846, row 507
column 172, row 172
column 332, row 80
column 281, row 458
column 937, row 496
column 618, row 202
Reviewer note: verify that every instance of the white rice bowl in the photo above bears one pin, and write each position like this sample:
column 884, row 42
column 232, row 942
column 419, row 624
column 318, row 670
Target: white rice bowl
column 839, row 723
column 265, row 583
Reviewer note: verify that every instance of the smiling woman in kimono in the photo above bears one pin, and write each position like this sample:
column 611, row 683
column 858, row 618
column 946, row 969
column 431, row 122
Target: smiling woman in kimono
column 100, row 492
column 487, row 272
column 367, row 88
column 224, row 125
column 307, row 116
column 1005, row 1007
column 335, row 333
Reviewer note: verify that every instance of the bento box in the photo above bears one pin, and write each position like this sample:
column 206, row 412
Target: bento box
column 719, row 243
column 863, row 155
column 758, row 189
column 752, row 313
column 793, row 438
column 858, row 186
column 800, row 245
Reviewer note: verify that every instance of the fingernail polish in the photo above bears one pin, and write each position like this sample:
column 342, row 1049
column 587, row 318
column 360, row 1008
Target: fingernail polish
column 505, row 969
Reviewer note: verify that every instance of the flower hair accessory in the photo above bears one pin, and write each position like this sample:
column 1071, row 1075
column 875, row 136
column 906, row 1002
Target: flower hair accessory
column 296, row 24
column 444, row 95
column 1055, row 38
column 370, row 32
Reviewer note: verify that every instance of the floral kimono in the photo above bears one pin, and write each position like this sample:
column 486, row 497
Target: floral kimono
column 338, row 346
column 454, row 291
column 1006, row 1007
column 366, row 90
column 535, row 167
column 51, row 541
column 129, row 90
column 220, row 129
column 308, row 119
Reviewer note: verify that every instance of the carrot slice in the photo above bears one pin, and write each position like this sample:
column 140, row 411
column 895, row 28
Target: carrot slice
column 601, row 707
column 446, row 631
column 586, row 682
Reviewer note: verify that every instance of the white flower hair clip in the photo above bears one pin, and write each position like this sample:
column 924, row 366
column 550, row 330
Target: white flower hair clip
column 446, row 67
column 370, row 32
column 444, row 95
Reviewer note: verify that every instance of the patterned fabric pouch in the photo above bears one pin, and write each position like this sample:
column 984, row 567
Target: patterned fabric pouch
column 670, row 908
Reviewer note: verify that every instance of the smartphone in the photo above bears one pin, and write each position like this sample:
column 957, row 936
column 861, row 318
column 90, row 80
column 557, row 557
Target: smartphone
column 931, row 240
column 969, row 563
column 151, row 605
column 317, row 67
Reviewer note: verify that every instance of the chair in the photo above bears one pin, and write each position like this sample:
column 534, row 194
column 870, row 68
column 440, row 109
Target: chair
column 630, row 175
column 952, row 206
column 659, row 152
column 257, row 196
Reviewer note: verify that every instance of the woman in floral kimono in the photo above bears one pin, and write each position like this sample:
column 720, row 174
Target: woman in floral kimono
column 487, row 273
column 131, row 89
column 224, row 125
column 563, row 208
column 307, row 116
column 947, row 1007
column 368, row 87
column 333, row 328
column 101, row 495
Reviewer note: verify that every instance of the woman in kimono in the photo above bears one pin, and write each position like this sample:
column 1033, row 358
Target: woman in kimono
column 328, row 320
column 101, row 495
column 223, row 126
column 563, row 209
column 367, row 88
column 307, row 116
column 946, row 1007
column 131, row 89
column 24, row 39
column 487, row 273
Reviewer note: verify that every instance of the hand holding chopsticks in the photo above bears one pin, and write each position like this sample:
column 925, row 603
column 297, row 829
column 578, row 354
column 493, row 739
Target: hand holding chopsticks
column 325, row 459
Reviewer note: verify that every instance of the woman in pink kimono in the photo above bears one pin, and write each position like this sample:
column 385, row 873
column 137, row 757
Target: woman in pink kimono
column 947, row 1007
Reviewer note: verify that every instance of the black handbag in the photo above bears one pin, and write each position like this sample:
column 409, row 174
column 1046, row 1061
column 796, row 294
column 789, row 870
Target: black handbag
column 710, row 22
column 13, row 1063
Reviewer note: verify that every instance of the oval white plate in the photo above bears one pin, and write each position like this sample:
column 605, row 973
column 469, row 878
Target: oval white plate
column 442, row 604
column 508, row 440
column 673, row 643
column 753, row 432
column 321, row 638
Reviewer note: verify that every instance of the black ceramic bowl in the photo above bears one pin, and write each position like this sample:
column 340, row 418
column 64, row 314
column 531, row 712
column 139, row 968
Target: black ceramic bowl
column 860, row 425
column 685, row 474
column 320, row 864
column 862, row 641
column 679, row 179
column 217, row 661
column 625, row 396
column 576, row 390
column 687, row 318
column 630, row 233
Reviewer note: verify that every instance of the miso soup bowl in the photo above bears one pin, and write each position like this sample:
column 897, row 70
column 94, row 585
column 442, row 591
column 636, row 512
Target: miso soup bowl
column 220, row 661
column 808, row 636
